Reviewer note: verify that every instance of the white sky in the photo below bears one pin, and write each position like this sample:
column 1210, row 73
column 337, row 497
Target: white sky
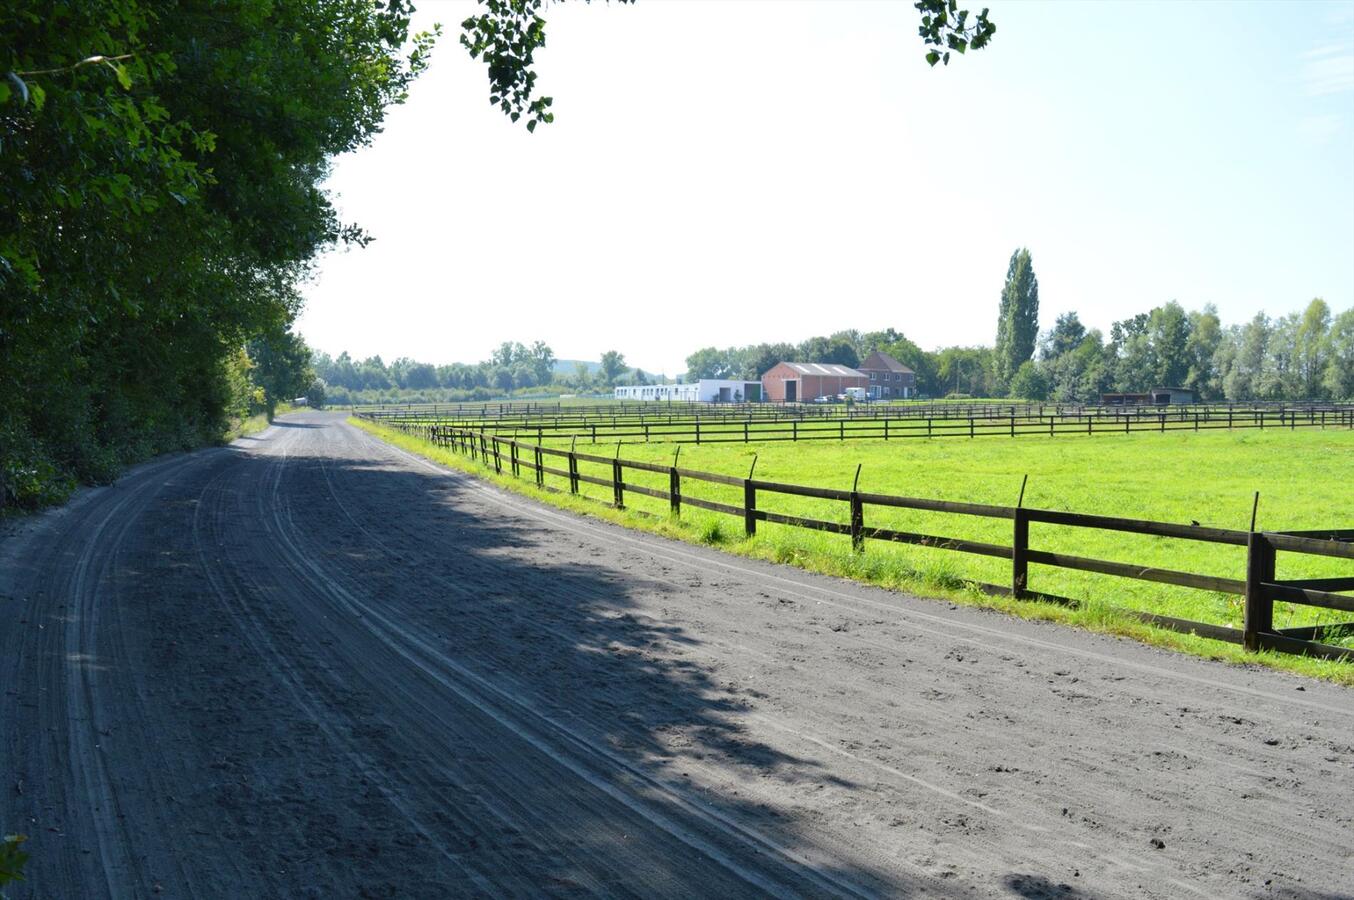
column 735, row 172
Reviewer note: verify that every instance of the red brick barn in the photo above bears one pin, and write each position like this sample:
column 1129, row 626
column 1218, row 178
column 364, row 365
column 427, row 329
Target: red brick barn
column 801, row 382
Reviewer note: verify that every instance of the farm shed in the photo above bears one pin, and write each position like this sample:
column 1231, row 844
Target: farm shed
column 793, row 381
column 706, row 390
column 889, row 379
column 1161, row 396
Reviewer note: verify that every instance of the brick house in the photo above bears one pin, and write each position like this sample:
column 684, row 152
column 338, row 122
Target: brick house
column 793, row 381
column 889, row 379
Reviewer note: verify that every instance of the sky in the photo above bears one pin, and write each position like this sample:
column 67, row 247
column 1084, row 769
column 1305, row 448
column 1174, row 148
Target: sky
column 727, row 173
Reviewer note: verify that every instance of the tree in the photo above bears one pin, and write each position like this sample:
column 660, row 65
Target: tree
column 542, row 362
column 162, row 165
column 1245, row 359
column 1029, row 382
column 1018, row 319
column 1168, row 342
column 507, row 33
column 613, row 364
column 1312, row 348
column 1130, row 352
column 1279, row 377
column 1065, row 336
column 964, row 370
column 839, row 351
column 1339, row 377
column 708, row 362
column 1205, row 335
column 281, row 366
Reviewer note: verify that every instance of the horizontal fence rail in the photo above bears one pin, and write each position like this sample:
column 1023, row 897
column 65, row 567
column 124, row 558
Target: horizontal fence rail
column 1260, row 588
column 724, row 426
column 623, row 409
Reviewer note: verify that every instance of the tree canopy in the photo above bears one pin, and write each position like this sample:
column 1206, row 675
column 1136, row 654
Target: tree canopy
column 162, row 165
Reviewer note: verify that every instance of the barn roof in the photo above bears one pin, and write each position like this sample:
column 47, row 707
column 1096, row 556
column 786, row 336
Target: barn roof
column 824, row 369
column 880, row 360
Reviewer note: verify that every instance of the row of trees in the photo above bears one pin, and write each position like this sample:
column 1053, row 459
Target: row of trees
column 512, row 366
column 1307, row 355
column 161, row 164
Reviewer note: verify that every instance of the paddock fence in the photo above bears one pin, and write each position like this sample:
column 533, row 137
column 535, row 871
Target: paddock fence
column 1260, row 589
column 715, row 425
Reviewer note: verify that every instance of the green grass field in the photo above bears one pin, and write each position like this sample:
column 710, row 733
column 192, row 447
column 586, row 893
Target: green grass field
column 1305, row 480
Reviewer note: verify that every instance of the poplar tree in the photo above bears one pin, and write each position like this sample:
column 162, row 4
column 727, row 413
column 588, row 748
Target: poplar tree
column 1018, row 319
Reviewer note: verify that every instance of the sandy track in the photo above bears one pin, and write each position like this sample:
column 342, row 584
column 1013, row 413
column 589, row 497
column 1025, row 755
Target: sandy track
column 313, row 665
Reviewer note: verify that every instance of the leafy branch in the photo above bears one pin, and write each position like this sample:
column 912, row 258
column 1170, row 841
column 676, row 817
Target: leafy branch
column 507, row 34
column 945, row 25
column 17, row 78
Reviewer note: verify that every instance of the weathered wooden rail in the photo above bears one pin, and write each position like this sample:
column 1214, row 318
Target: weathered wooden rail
column 1260, row 589
column 771, row 422
column 718, row 427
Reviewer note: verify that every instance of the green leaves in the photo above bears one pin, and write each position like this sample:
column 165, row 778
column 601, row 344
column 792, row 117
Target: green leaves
column 946, row 26
column 506, row 35
column 163, row 168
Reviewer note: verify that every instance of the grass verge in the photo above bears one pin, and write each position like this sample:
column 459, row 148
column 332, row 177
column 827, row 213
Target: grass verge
column 938, row 576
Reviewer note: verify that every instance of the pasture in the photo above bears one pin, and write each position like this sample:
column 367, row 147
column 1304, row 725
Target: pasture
column 1305, row 480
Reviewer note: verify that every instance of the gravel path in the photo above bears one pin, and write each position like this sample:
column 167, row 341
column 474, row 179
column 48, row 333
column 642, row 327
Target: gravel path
column 311, row 665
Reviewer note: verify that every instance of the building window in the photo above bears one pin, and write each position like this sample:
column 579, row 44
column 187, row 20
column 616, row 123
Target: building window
column 872, row 376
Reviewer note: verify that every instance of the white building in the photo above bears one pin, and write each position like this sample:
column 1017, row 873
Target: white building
column 707, row 390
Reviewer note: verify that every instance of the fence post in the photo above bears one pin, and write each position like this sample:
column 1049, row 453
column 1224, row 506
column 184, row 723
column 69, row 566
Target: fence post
column 1259, row 614
column 498, row 458
column 749, row 507
column 573, row 472
column 617, row 485
column 674, row 492
column 857, row 516
column 540, row 475
column 1020, row 545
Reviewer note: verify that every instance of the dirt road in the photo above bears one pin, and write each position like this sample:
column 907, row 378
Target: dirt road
column 310, row 665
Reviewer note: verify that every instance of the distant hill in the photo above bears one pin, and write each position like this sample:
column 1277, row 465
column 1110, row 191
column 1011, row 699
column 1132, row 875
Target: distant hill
column 569, row 366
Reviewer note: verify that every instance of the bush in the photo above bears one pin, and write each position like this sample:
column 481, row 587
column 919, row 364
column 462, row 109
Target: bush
column 1029, row 382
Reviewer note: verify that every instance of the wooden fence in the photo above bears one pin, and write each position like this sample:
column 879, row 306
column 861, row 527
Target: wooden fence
column 722, row 428
column 1261, row 587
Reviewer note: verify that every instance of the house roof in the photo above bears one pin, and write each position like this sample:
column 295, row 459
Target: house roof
column 823, row 369
column 882, row 361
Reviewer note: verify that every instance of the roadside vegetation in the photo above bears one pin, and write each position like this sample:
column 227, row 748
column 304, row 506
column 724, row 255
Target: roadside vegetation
column 162, row 166
column 1210, row 478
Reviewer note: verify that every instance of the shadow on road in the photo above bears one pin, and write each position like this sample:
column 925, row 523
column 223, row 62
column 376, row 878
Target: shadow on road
column 318, row 673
